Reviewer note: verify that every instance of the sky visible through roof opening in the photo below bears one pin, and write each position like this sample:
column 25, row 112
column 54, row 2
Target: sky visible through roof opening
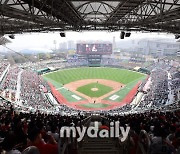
column 48, row 40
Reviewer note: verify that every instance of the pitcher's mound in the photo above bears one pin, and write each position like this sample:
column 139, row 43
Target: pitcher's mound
column 94, row 89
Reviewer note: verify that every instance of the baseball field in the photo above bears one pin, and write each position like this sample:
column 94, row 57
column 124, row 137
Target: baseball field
column 94, row 88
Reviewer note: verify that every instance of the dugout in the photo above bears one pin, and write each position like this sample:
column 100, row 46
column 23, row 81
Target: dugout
column 44, row 70
column 142, row 70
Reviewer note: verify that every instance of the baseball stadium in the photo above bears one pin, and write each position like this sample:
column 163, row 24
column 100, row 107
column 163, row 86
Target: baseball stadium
column 89, row 77
column 98, row 88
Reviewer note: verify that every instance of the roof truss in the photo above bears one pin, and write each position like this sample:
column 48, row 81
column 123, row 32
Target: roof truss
column 18, row 16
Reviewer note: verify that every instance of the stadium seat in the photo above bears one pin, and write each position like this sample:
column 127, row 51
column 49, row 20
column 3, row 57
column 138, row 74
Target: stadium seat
column 31, row 150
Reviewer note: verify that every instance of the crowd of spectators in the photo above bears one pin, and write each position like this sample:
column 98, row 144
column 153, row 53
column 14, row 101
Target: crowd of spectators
column 32, row 93
column 175, row 80
column 157, row 95
column 165, row 81
column 21, row 130
column 56, row 64
column 3, row 66
column 11, row 79
column 162, row 131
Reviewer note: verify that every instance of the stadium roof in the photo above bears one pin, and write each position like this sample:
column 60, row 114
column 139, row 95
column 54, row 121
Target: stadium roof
column 18, row 16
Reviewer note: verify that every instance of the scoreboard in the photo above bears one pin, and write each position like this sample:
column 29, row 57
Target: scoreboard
column 93, row 48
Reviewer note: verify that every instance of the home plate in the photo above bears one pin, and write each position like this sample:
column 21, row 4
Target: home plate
column 114, row 97
column 76, row 97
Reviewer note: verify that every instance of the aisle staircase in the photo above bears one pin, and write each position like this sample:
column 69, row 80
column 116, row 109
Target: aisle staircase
column 99, row 146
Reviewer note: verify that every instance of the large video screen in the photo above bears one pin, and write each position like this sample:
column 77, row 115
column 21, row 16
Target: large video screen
column 103, row 49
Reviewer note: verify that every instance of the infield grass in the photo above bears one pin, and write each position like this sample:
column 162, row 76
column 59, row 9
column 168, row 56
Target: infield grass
column 102, row 89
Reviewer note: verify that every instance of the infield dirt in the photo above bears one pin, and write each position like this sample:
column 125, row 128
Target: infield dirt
column 116, row 86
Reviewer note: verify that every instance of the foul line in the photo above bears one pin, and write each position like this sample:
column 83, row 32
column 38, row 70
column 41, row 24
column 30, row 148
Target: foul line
column 61, row 88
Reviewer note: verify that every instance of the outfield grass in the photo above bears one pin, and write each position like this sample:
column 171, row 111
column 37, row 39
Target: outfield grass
column 69, row 75
column 102, row 89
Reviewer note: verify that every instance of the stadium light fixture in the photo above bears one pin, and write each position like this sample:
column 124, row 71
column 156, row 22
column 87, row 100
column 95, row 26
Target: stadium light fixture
column 122, row 35
column 128, row 34
column 62, row 34
column 12, row 36
column 177, row 36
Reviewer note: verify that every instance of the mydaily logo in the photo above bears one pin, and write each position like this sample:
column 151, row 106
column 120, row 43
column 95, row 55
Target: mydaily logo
column 93, row 131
